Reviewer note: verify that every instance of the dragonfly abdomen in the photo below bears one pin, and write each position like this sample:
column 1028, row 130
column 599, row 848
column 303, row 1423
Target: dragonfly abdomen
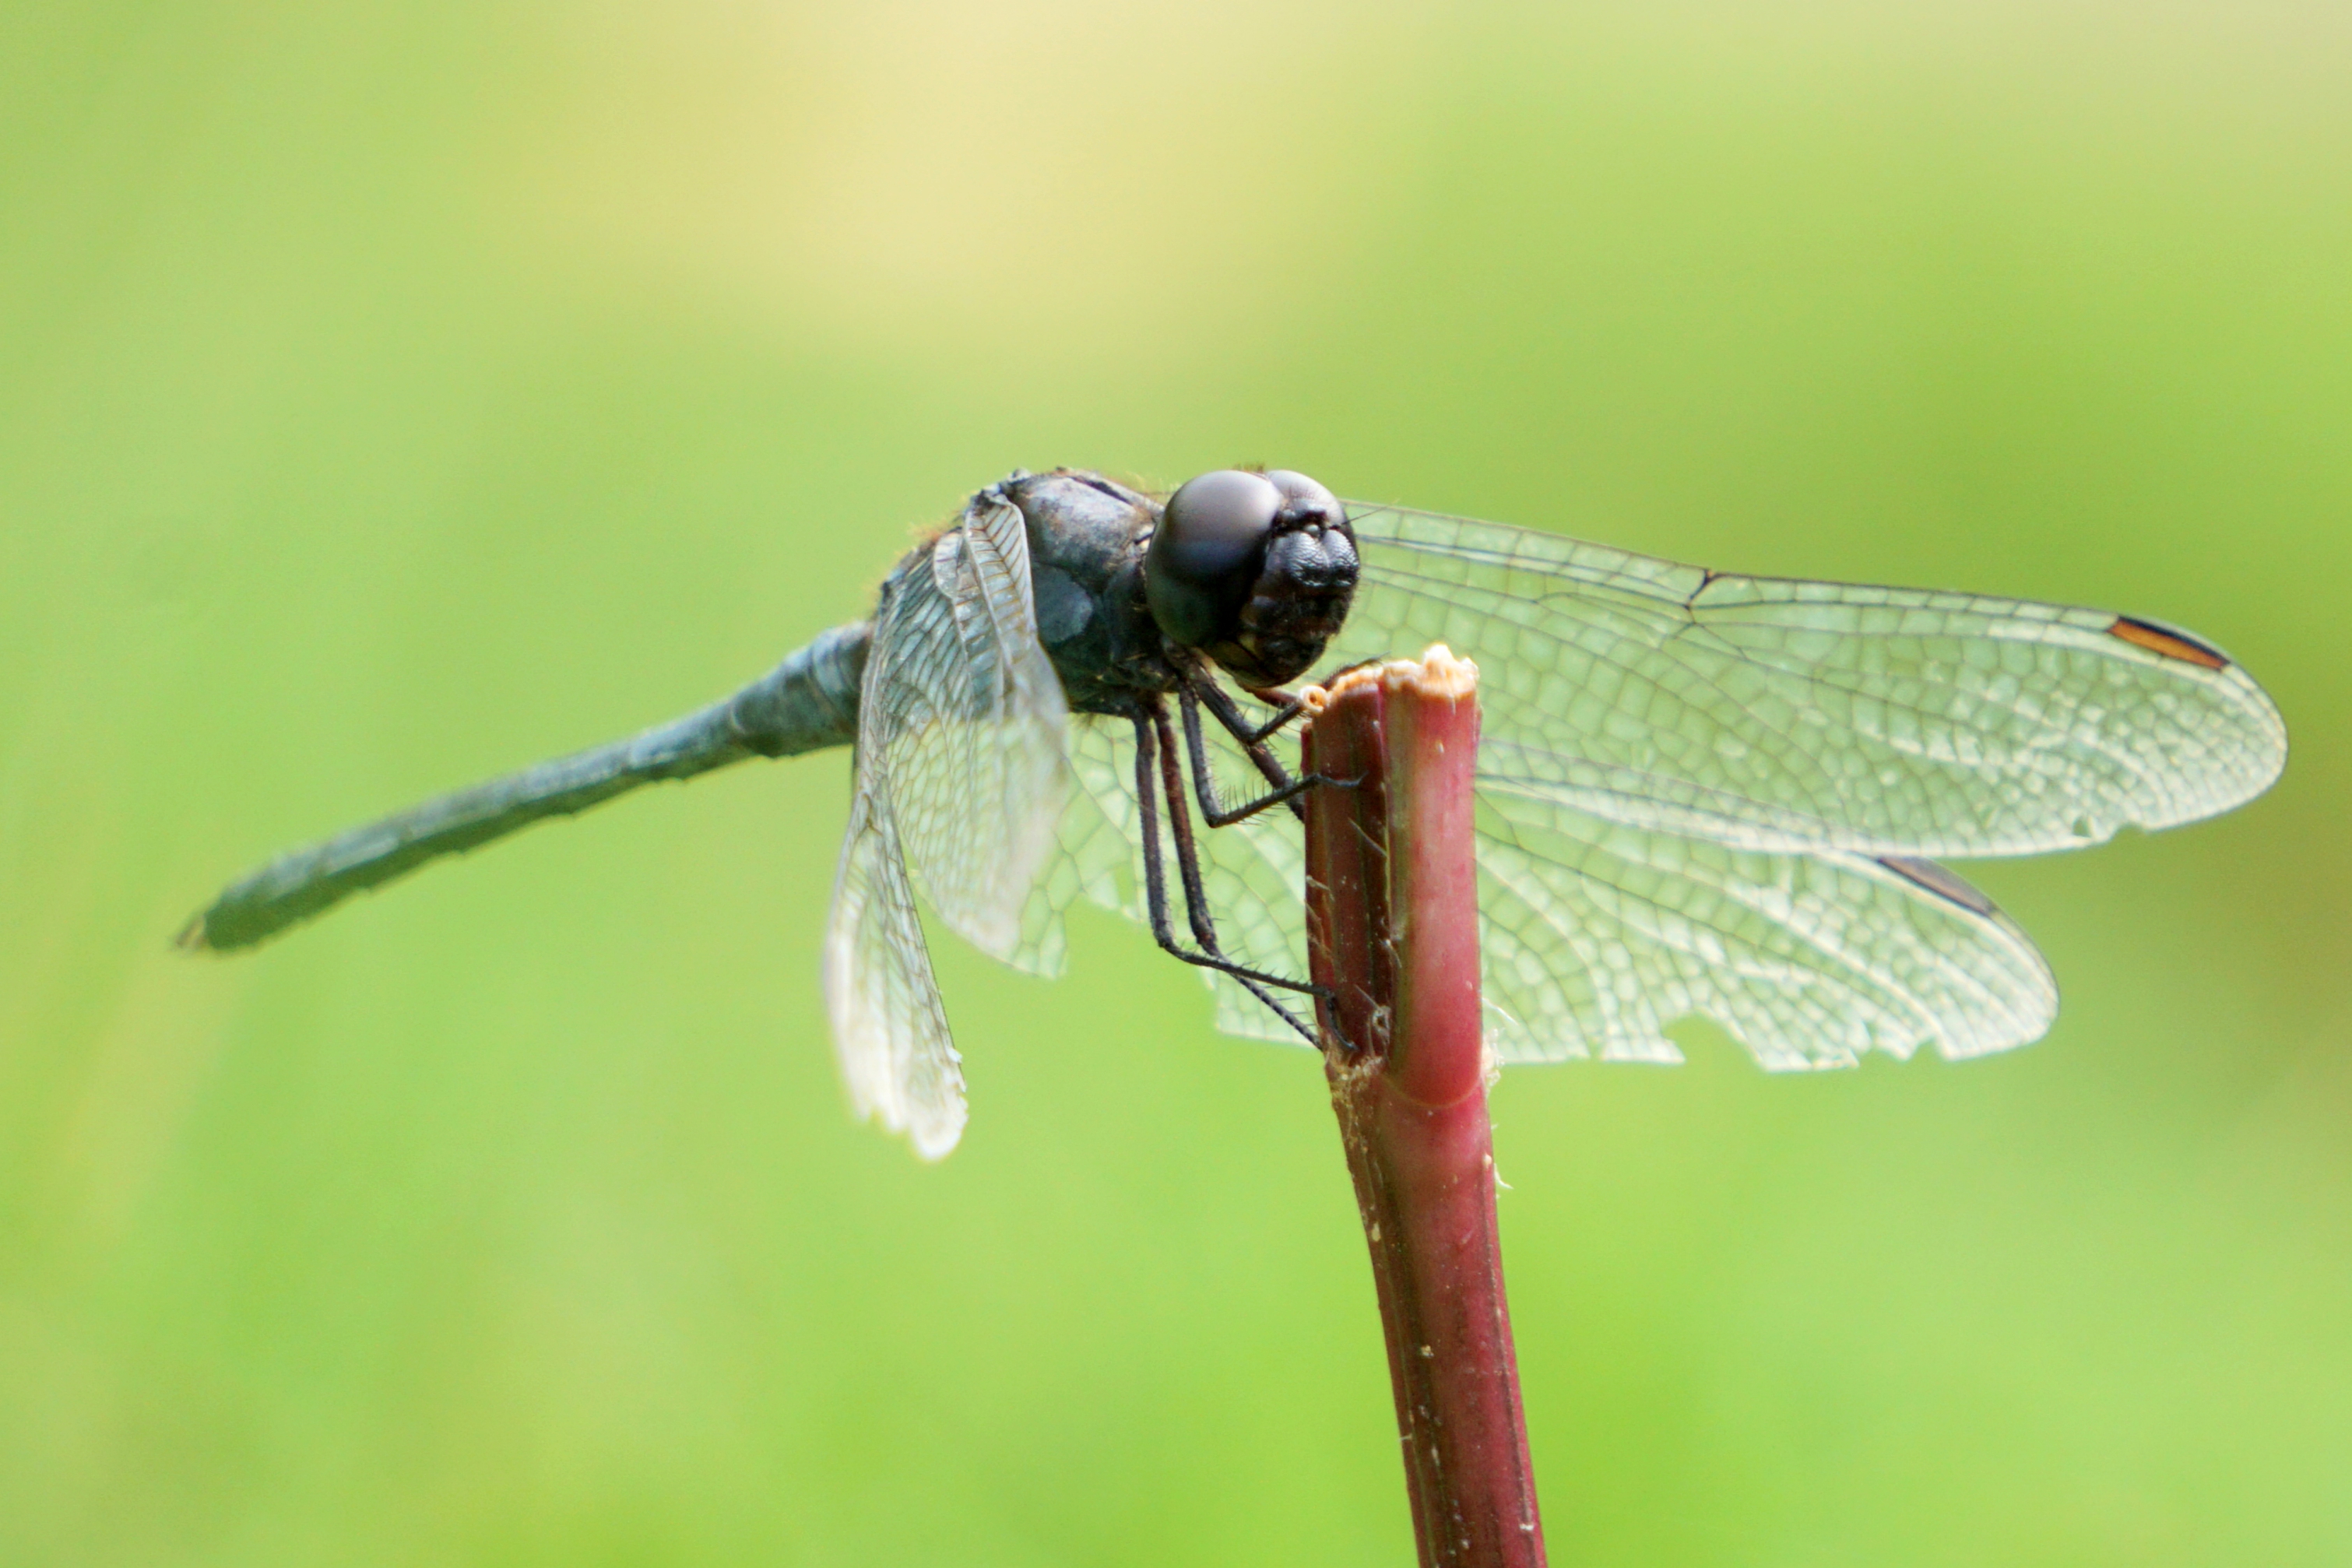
column 807, row 703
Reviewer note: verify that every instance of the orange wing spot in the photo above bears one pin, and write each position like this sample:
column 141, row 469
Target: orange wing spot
column 2171, row 645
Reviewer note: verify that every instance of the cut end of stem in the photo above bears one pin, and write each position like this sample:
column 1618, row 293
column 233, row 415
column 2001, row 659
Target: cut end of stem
column 1437, row 673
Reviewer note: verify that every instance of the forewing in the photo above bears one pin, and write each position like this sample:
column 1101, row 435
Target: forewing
column 963, row 704
column 1775, row 714
column 1595, row 935
column 961, row 779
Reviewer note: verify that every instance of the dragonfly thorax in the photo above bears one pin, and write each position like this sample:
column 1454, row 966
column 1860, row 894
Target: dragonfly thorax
column 1086, row 538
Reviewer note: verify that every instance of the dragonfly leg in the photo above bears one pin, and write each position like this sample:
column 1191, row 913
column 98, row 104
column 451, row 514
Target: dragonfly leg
column 1194, row 694
column 1154, row 772
column 1286, row 709
column 1289, row 708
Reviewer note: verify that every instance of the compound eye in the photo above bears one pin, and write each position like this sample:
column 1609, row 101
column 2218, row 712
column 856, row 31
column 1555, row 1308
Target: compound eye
column 1206, row 553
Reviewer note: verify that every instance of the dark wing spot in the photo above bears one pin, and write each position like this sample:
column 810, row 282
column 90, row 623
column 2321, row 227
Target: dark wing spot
column 2166, row 641
column 1937, row 880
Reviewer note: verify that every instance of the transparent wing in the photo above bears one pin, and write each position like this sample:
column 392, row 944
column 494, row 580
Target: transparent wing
column 963, row 701
column 1255, row 871
column 1782, row 715
column 1252, row 870
column 888, row 1027
column 959, row 780
column 1097, row 852
column 1596, row 935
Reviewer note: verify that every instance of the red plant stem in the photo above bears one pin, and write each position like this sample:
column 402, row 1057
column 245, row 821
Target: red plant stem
column 1392, row 931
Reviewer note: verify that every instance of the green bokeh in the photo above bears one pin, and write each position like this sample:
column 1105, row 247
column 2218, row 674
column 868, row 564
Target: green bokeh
column 393, row 394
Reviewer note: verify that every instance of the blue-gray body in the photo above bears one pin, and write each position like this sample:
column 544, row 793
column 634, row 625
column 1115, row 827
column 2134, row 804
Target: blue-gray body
column 1086, row 538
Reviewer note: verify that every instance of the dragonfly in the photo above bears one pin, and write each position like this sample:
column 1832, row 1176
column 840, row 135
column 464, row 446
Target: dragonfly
column 1699, row 794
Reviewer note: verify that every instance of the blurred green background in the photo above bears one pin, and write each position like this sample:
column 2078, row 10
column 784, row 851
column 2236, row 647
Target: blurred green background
column 392, row 393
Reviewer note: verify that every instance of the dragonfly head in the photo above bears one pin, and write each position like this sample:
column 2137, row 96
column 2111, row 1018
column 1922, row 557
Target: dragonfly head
column 1255, row 570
